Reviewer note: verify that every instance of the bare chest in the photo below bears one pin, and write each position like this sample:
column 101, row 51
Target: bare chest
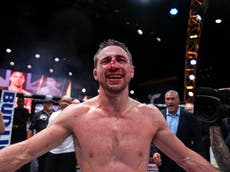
column 115, row 137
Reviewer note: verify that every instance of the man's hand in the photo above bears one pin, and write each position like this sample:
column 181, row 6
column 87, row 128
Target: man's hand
column 157, row 159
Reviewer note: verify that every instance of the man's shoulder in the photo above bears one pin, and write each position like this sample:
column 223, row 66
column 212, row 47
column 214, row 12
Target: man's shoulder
column 39, row 112
column 25, row 110
column 148, row 109
column 55, row 113
column 185, row 113
column 25, row 91
column 140, row 105
column 188, row 116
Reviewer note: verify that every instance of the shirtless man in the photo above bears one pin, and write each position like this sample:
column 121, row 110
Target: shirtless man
column 112, row 132
column 17, row 79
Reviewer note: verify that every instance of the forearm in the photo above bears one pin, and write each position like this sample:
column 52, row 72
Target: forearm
column 14, row 156
column 196, row 163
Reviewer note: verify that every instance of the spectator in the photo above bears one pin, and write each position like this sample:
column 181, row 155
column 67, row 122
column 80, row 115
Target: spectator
column 19, row 129
column 189, row 107
column 39, row 122
column 76, row 101
column 205, row 136
column 20, row 121
column 183, row 125
column 62, row 158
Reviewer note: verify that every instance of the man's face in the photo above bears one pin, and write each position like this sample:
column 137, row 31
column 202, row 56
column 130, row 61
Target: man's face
column 50, row 82
column 172, row 102
column 48, row 106
column 65, row 101
column 113, row 71
column 189, row 107
column 17, row 79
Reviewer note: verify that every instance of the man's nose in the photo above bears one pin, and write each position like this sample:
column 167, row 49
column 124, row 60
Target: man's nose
column 112, row 63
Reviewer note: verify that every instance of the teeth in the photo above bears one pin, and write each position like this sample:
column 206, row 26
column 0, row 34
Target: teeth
column 114, row 76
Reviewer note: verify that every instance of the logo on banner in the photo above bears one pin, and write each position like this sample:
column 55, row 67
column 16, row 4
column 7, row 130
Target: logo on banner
column 7, row 109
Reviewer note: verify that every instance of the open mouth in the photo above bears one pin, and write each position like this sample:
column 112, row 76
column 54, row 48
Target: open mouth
column 114, row 76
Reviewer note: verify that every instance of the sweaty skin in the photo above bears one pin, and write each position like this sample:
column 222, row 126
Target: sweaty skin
column 109, row 140
column 112, row 132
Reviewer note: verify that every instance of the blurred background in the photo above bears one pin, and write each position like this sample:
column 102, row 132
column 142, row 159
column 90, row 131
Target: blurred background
column 58, row 39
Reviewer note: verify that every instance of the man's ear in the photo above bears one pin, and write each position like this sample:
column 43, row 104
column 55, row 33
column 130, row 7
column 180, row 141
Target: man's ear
column 132, row 71
column 95, row 74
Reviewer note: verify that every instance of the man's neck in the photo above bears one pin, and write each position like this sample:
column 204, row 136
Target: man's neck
column 48, row 112
column 115, row 103
column 14, row 88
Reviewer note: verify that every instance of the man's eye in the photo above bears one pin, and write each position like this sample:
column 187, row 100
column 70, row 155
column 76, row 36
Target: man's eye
column 105, row 61
column 121, row 59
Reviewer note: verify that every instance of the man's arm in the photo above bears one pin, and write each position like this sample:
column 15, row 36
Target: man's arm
column 16, row 155
column 220, row 149
column 2, row 125
column 191, row 161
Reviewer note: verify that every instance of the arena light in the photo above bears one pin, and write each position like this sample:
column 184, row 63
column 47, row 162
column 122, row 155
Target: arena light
column 193, row 62
column 12, row 63
column 189, row 87
column 8, row 50
column 190, row 93
column 173, row 11
column 29, row 66
column 193, row 36
column 192, row 77
column 37, row 56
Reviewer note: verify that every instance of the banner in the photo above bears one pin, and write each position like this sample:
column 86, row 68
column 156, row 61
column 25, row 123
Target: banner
column 29, row 84
column 7, row 109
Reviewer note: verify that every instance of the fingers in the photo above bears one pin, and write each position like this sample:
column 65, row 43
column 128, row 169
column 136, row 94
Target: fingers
column 157, row 159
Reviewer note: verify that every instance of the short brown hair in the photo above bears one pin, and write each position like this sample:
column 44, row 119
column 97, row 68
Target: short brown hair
column 111, row 42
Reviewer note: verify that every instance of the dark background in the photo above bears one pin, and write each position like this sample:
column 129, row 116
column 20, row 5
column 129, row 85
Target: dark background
column 72, row 30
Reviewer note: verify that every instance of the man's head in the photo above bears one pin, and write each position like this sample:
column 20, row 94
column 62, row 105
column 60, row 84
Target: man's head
column 75, row 101
column 51, row 82
column 172, row 101
column 189, row 107
column 17, row 79
column 113, row 66
column 112, row 42
column 65, row 101
column 48, row 106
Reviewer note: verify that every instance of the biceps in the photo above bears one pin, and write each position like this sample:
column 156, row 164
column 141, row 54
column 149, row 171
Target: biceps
column 169, row 144
column 48, row 138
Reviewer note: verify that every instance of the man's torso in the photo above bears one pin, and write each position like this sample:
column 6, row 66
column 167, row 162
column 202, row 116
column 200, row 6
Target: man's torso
column 119, row 142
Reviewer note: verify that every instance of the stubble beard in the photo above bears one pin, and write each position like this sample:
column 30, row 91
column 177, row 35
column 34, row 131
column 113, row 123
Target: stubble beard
column 112, row 89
